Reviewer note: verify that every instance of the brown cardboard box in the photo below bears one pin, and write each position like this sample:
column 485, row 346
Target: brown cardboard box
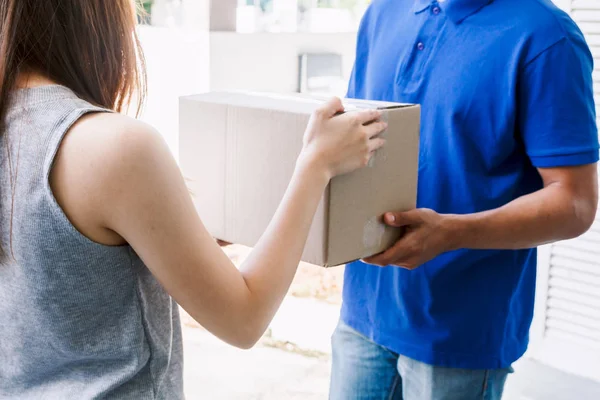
column 239, row 152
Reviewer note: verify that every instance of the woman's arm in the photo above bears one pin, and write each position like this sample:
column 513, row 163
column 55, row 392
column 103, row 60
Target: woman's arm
column 122, row 180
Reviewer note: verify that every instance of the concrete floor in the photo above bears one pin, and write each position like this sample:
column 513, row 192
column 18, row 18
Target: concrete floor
column 534, row 381
column 216, row 371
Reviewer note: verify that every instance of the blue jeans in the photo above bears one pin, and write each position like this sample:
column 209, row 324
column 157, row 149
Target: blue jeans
column 363, row 370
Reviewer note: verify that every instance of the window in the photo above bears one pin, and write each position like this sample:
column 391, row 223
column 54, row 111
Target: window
column 300, row 15
column 165, row 13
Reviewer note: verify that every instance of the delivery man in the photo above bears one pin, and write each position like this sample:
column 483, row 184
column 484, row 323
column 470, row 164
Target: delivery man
column 509, row 147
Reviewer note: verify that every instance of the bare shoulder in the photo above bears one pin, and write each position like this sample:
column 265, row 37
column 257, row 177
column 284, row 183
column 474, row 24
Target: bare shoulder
column 102, row 154
column 108, row 143
column 100, row 132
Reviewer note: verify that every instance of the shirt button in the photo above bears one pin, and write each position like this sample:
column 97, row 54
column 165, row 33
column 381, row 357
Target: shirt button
column 420, row 46
column 436, row 10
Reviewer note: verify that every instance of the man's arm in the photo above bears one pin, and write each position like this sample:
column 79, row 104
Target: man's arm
column 565, row 208
column 557, row 127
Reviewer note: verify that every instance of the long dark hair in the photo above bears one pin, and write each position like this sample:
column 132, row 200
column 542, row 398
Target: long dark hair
column 89, row 46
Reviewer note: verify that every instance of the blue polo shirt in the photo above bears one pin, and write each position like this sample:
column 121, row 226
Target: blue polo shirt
column 505, row 88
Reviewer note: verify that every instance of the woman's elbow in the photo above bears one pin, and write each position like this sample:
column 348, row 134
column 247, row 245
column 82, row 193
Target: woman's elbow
column 246, row 339
column 246, row 344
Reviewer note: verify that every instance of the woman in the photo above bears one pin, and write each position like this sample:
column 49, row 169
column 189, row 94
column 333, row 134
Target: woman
column 97, row 228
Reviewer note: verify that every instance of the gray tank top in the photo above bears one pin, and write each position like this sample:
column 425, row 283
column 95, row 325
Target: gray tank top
column 78, row 320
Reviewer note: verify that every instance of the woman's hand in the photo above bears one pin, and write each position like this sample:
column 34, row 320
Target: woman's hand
column 341, row 143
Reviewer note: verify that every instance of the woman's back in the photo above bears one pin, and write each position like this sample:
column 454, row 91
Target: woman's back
column 78, row 317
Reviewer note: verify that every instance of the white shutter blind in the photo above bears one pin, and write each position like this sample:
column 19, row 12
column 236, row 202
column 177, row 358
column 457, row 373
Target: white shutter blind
column 573, row 304
column 587, row 15
column 573, row 297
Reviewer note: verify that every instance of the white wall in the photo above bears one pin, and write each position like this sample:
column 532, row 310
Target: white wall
column 182, row 62
column 178, row 65
column 269, row 61
column 564, row 4
column 223, row 15
column 190, row 14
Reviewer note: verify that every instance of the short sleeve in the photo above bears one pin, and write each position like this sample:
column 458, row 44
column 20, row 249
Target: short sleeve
column 557, row 117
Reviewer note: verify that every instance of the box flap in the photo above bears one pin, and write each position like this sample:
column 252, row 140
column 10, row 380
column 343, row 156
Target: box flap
column 293, row 102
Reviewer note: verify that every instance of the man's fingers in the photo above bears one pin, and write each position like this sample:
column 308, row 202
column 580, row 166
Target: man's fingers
column 376, row 260
column 399, row 219
column 394, row 254
column 406, row 252
column 382, row 261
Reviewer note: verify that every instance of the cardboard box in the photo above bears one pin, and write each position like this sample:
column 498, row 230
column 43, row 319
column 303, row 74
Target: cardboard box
column 238, row 151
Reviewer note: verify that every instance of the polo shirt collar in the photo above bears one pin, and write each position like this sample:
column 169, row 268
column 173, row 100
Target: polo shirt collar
column 421, row 5
column 456, row 10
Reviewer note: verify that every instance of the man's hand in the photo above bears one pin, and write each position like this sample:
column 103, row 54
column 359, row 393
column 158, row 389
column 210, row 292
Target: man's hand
column 426, row 236
column 564, row 209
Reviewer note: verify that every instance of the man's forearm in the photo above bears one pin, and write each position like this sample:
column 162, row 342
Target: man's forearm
column 546, row 216
column 564, row 209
